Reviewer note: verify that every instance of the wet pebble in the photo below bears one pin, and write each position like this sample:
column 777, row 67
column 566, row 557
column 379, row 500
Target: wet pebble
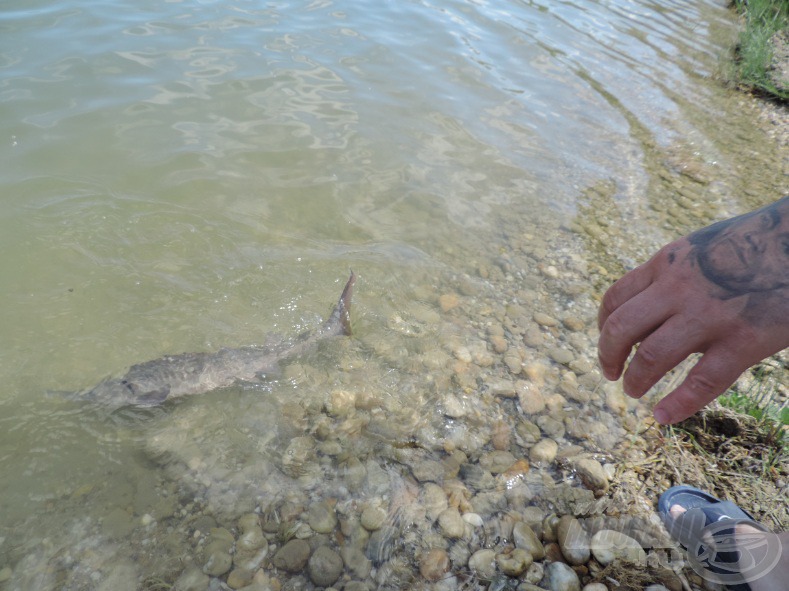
column 515, row 563
column 448, row 301
column 608, row 545
column 239, row 577
column 434, row 500
column 560, row 577
column 191, row 579
column 530, row 398
column 434, row 564
column 356, row 562
column 292, row 557
column 525, row 538
column 497, row 462
column 322, row 518
column 561, row 355
column 573, row 323
column 373, row 517
column 591, row 473
column 451, row 523
column 544, row 451
column 218, row 563
column 483, row 563
column 545, row 319
column 324, row 566
column 573, row 540
column 499, row 343
column 551, row 426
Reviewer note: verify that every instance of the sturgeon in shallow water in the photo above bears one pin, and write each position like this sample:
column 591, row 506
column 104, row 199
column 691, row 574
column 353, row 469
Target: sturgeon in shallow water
column 172, row 376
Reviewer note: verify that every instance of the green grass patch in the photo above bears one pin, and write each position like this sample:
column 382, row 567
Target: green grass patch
column 763, row 19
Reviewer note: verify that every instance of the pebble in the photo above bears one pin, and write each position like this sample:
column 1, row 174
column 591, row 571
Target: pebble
column 373, row 518
column 545, row 320
column 525, row 538
column 473, row 519
column 434, row 564
column 356, row 562
column 573, row 540
column 448, row 301
column 451, row 523
column 591, row 473
column 218, row 563
column 560, row 577
column 497, row 462
column 483, row 563
column 434, row 500
column 191, row 579
column 530, row 398
column 292, row 557
column 322, row 518
column 608, row 545
column 499, row 343
column 515, row 563
column 544, row 451
column 573, row 323
column 595, row 587
column 500, row 435
column 551, row 426
column 324, row 566
column 560, row 355
column 238, row 578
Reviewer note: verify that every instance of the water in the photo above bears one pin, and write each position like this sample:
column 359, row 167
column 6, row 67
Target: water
column 186, row 176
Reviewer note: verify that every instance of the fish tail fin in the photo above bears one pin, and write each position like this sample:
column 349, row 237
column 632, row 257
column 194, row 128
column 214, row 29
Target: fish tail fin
column 342, row 312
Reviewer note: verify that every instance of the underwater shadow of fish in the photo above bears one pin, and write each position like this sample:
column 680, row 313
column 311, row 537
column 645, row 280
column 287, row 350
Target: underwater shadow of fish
column 173, row 376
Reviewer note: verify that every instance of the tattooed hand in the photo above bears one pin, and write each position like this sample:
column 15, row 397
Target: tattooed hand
column 722, row 291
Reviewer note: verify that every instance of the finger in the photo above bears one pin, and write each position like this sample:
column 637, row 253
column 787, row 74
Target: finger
column 629, row 324
column 707, row 380
column 661, row 351
column 626, row 288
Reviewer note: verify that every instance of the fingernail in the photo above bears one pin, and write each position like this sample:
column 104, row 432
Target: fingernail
column 661, row 416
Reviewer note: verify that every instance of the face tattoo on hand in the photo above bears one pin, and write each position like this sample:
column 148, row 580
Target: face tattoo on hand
column 748, row 254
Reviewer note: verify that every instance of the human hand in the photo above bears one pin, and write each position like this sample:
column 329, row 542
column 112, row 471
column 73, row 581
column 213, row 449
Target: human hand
column 722, row 291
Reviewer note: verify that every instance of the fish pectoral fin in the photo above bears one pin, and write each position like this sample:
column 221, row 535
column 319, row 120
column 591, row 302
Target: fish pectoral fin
column 153, row 398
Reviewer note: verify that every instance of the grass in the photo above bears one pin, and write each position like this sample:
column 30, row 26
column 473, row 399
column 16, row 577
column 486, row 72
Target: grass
column 763, row 18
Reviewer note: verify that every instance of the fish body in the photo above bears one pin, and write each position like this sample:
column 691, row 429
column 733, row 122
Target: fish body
column 153, row 382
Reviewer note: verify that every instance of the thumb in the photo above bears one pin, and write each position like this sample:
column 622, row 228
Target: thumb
column 707, row 380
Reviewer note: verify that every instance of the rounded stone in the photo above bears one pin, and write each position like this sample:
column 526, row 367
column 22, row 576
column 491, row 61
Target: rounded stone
column 238, row 578
column 608, row 545
column 515, row 563
column 451, row 523
column 544, row 451
column 497, row 462
column 545, row 319
column 373, row 518
column 531, row 400
column 591, row 473
column 560, row 355
column 560, row 577
column 292, row 557
column 322, row 518
column 573, row 540
column 483, row 563
column 218, row 563
column 434, row 564
column 324, row 566
column 524, row 537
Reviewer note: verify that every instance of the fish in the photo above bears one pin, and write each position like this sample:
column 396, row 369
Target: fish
column 154, row 382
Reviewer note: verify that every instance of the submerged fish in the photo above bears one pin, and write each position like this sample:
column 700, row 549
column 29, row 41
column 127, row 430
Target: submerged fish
column 172, row 376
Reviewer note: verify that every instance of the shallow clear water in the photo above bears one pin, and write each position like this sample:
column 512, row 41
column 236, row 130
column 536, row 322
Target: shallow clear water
column 187, row 176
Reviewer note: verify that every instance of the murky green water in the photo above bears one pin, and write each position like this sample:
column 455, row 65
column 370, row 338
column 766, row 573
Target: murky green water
column 182, row 176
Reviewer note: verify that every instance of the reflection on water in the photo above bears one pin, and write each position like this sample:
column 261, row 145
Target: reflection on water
column 188, row 176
